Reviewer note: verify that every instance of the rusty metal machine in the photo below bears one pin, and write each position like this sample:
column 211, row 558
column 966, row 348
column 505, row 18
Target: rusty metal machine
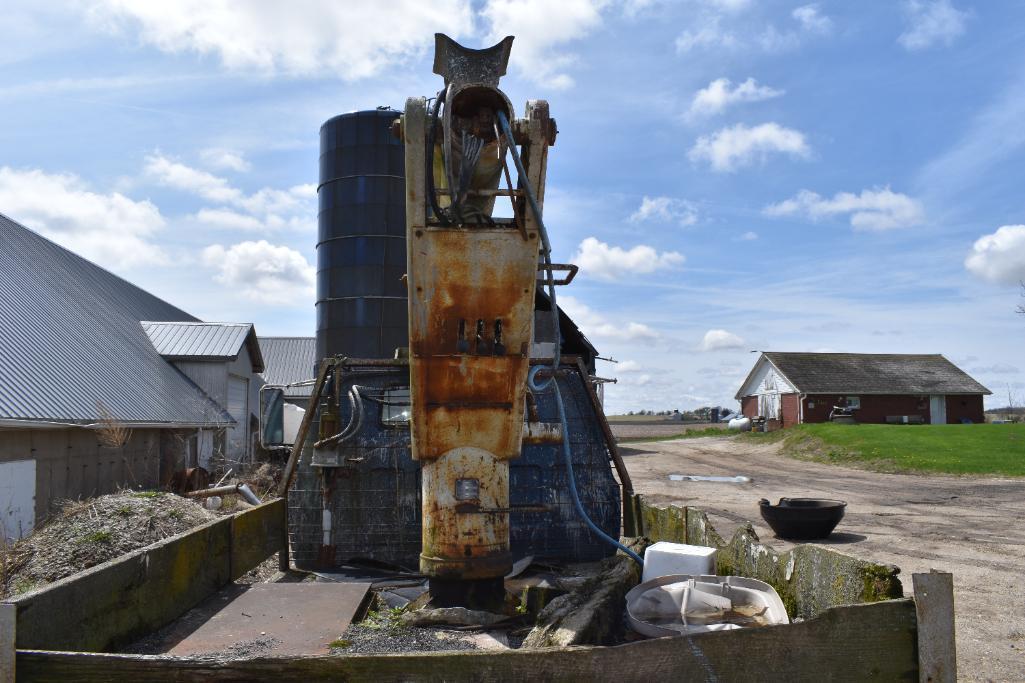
column 471, row 292
column 483, row 440
column 471, row 314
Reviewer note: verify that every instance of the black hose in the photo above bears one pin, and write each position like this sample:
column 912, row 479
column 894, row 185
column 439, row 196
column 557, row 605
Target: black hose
column 431, row 193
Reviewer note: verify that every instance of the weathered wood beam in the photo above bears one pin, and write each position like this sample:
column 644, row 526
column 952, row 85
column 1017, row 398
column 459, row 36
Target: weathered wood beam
column 855, row 643
column 934, row 606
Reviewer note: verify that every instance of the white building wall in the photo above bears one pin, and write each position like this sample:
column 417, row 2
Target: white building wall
column 768, row 385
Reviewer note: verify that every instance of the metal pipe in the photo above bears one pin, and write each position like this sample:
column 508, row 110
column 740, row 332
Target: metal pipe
column 240, row 489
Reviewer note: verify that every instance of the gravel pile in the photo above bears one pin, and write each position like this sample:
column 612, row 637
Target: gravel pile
column 363, row 639
column 87, row 533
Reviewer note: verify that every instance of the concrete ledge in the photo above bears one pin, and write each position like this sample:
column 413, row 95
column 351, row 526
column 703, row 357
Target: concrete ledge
column 116, row 602
column 808, row 578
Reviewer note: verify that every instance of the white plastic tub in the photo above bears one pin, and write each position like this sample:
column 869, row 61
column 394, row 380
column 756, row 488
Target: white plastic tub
column 664, row 559
column 683, row 604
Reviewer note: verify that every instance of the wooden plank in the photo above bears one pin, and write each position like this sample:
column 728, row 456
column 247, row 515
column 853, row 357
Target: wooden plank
column 855, row 643
column 256, row 534
column 8, row 655
column 934, row 607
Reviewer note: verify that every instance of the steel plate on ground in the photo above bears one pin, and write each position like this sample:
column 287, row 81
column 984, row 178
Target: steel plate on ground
column 269, row 619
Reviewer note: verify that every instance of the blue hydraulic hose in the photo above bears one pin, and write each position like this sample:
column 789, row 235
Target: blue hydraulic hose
column 532, row 375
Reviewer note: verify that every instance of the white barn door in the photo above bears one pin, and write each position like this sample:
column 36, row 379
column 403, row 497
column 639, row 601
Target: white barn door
column 17, row 498
column 938, row 410
column 238, row 407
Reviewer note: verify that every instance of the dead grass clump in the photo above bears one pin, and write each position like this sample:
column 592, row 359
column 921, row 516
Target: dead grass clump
column 112, row 433
column 89, row 532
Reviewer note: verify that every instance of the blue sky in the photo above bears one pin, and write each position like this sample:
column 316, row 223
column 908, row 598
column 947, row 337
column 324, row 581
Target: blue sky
column 730, row 175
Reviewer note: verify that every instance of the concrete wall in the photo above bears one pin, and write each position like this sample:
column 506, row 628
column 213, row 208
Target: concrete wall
column 71, row 463
column 809, row 578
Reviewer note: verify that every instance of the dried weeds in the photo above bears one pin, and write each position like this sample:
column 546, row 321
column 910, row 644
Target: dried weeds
column 87, row 533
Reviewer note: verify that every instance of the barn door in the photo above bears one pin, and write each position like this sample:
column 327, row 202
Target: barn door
column 17, row 498
column 938, row 410
column 238, row 408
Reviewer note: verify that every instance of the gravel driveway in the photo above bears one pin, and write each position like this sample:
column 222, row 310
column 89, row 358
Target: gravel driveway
column 973, row 527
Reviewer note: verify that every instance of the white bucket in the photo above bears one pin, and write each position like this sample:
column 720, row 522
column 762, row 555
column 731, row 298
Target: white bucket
column 664, row 558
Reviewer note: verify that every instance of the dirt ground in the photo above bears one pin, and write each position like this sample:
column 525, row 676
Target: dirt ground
column 970, row 526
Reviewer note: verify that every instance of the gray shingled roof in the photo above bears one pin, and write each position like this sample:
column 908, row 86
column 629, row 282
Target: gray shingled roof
column 289, row 360
column 70, row 339
column 204, row 341
column 873, row 373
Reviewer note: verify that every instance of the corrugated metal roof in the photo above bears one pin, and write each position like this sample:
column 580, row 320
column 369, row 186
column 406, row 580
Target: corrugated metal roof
column 290, row 360
column 70, row 340
column 204, row 341
column 873, row 373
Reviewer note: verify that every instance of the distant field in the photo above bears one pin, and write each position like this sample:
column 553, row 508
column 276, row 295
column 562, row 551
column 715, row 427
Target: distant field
column 953, row 449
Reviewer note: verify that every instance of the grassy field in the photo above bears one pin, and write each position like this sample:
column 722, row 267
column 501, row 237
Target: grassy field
column 689, row 434
column 954, row 449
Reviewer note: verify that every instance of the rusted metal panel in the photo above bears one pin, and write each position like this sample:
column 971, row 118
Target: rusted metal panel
column 272, row 619
column 468, row 534
column 471, row 321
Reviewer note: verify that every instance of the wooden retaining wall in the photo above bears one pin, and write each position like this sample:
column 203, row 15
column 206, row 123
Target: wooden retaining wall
column 884, row 640
column 115, row 603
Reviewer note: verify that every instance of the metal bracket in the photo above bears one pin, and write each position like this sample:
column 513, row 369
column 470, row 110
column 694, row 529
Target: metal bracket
column 569, row 268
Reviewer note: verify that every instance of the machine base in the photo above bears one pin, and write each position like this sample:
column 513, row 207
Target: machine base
column 481, row 594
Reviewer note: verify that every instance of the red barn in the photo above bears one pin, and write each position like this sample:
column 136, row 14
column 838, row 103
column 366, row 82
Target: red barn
column 792, row 388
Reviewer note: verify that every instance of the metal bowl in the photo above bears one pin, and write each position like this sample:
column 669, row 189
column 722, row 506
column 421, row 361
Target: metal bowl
column 803, row 518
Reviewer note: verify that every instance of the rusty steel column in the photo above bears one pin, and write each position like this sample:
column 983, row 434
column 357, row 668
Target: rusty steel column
column 471, row 315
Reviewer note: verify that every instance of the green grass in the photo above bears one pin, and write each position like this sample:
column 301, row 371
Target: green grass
column 952, row 449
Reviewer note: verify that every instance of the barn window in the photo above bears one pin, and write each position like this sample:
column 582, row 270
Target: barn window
column 811, row 405
column 854, row 402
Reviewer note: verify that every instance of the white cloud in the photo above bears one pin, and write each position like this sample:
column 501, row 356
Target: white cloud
column 263, row 272
column 721, row 340
column 227, row 219
column 709, row 35
column 930, row 23
column 811, row 20
column 599, row 327
column 665, row 209
column 224, row 160
column 748, row 236
column 181, row 177
column 302, row 37
column 996, row 369
column 627, row 366
column 878, row 209
column 731, row 148
column 540, row 27
column 268, row 209
column 110, row 228
column 715, row 98
column 999, row 257
column 606, row 262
